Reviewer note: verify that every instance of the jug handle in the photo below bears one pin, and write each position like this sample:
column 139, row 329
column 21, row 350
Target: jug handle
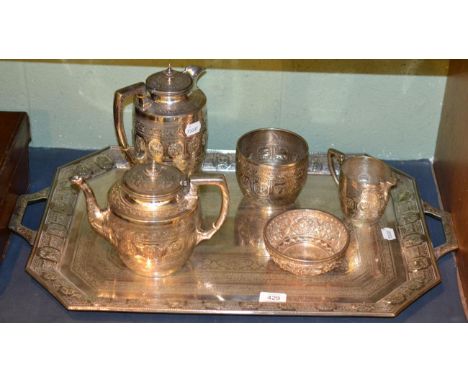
column 217, row 180
column 120, row 98
column 340, row 157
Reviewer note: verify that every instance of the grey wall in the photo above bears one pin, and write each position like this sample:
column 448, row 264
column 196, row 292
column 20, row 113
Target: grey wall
column 390, row 116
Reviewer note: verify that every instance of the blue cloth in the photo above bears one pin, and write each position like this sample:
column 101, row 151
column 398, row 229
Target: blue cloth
column 22, row 299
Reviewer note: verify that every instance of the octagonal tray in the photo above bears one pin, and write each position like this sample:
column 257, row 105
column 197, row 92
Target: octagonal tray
column 232, row 273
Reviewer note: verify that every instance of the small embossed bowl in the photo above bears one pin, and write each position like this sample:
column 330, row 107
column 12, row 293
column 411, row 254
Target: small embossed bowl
column 306, row 242
column 271, row 165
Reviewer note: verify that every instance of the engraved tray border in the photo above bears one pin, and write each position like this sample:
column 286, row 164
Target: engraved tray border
column 43, row 263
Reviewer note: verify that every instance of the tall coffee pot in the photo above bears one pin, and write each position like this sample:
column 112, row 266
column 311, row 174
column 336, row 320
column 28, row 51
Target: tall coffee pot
column 169, row 122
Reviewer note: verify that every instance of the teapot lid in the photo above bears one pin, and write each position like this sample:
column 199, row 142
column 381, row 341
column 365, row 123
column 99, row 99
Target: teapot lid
column 149, row 192
column 169, row 82
column 153, row 180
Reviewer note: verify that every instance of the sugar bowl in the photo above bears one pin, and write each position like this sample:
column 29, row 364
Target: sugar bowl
column 271, row 165
column 153, row 216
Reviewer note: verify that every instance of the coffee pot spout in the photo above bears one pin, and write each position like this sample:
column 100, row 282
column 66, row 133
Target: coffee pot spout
column 195, row 72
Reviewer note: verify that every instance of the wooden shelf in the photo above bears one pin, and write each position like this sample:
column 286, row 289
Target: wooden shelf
column 451, row 164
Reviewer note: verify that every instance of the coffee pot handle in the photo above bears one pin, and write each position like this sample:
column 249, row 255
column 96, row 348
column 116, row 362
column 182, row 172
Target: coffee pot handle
column 120, row 98
column 217, row 180
column 340, row 157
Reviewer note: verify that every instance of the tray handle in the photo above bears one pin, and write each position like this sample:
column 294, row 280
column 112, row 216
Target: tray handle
column 16, row 220
column 451, row 242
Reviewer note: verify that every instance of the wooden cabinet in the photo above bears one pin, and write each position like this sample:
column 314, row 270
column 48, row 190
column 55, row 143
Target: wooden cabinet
column 14, row 164
column 451, row 164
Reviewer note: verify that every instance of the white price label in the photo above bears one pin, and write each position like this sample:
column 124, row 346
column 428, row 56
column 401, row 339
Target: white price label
column 272, row 297
column 388, row 233
column 192, row 128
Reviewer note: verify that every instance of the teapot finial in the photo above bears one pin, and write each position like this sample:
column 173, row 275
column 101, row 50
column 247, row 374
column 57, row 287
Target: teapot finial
column 152, row 171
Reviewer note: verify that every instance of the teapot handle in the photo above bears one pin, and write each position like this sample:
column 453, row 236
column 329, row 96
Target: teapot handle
column 340, row 157
column 217, row 180
column 120, row 98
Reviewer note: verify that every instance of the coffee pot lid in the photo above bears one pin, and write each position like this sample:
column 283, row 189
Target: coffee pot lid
column 169, row 82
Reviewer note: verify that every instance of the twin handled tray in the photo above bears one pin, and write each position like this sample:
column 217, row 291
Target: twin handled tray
column 386, row 266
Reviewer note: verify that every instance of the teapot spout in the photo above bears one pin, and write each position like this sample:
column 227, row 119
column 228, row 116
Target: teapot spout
column 98, row 219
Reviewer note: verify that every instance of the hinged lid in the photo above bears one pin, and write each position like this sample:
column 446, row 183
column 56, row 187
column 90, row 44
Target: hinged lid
column 153, row 180
column 169, row 82
column 148, row 193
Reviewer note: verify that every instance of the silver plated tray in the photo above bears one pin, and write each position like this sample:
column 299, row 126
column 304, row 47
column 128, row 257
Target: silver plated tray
column 386, row 267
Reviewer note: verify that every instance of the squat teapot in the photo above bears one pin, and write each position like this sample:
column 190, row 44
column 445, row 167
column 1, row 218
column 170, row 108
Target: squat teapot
column 153, row 216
